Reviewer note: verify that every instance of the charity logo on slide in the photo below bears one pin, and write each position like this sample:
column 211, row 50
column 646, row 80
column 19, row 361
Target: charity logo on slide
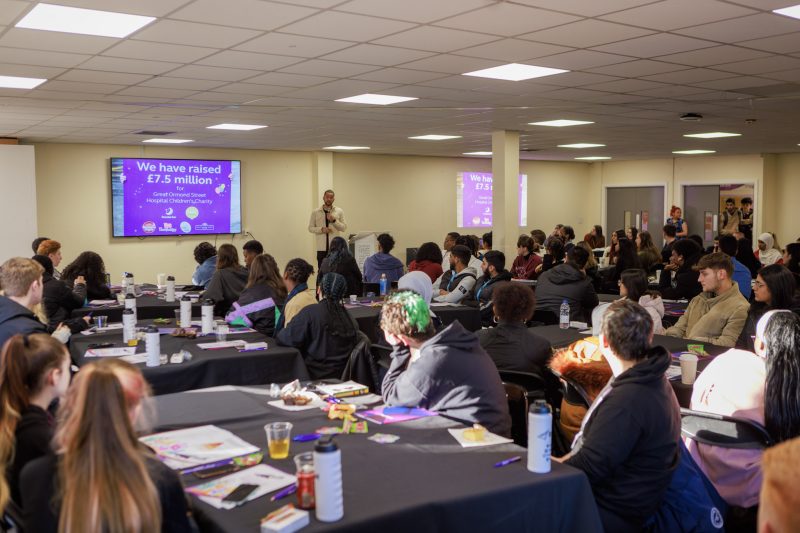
column 192, row 213
column 186, row 227
column 149, row 227
column 168, row 211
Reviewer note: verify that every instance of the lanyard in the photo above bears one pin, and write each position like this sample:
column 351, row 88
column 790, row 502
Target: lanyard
column 478, row 294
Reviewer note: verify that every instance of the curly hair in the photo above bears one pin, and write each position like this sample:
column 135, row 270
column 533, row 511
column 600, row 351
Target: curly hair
column 89, row 265
column 406, row 313
column 298, row 270
column 203, row 251
column 513, row 302
column 429, row 251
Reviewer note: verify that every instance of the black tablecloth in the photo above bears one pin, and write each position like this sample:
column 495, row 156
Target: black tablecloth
column 147, row 307
column 672, row 310
column 368, row 317
column 207, row 368
column 425, row 482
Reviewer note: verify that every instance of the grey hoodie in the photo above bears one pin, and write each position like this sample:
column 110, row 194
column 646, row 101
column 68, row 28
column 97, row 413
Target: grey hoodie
column 565, row 282
column 225, row 287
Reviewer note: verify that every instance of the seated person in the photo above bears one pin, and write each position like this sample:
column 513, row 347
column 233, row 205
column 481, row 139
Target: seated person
column 447, row 245
column 428, row 260
column 741, row 274
column 250, row 250
column 261, row 298
column 568, row 282
column 669, row 240
column 21, row 280
column 628, row 443
column 524, row 265
column 471, row 242
column 768, row 253
column 295, row 277
column 626, row 259
column 773, row 288
column 325, row 333
column 791, row 260
column 89, row 266
column 34, row 371
column 206, row 256
column 595, row 238
column 383, row 262
column 679, row 279
column 340, row 261
column 555, row 254
column 486, row 243
column 457, row 283
column 717, row 315
column 494, row 272
column 140, row 493
column 745, row 255
column 447, row 372
column 511, row 344
column 649, row 256
column 633, row 286
column 419, row 282
column 36, row 242
column 742, row 384
column 228, row 281
column 779, row 499
column 52, row 250
column 59, row 301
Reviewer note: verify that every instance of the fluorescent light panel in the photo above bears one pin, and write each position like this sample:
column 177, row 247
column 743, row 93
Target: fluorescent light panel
column 375, row 99
column 168, row 141
column 560, row 123
column 712, row 135
column 791, row 11
column 17, row 82
column 593, row 158
column 65, row 19
column 515, row 72
column 345, row 147
column 236, row 127
column 693, row 152
column 581, row 145
column 477, row 153
column 434, row 137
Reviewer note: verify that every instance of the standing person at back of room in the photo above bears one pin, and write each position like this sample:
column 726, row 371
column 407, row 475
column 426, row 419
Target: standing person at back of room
column 228, row 281
column 250, row 250
column 383, row 262
column 326, row 222
column 747, row 217
column 675, row 219
column 730, row 218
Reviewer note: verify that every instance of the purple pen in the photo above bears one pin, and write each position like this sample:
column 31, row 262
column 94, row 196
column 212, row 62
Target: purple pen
column 291, row 489
column 508, row 461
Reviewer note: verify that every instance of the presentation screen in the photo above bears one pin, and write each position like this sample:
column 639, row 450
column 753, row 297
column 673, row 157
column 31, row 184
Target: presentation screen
column 474, row 200
column 168, row 197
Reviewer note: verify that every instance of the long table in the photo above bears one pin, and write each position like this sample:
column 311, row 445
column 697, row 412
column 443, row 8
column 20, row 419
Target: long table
column 425, row 482
column 148, row 306
column 207, row 368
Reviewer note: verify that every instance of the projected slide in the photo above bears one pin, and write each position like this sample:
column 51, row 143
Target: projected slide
column 161, row 197
column 474, row 200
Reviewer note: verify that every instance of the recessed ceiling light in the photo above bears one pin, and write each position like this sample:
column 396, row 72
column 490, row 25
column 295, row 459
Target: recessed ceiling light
column 51, row 17
column 593, row 158
column 376, row 99
column 712, row 135
column 345, row 147
column 560, row 123
column 16, row 82
column 693, row 152
column 791, row 11
column 477, row 153
column 581, row 145
column 435, row 137
column 515, row 72
column 168, row 141
column 236, row 127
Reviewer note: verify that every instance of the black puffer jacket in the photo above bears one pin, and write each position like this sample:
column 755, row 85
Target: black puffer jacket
column 59, row 301
column 16, row 318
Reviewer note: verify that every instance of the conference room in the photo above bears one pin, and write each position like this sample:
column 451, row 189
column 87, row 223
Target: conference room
column 236, row 206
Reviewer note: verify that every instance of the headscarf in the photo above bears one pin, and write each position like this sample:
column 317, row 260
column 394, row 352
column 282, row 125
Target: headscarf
column 769, row 256
column 418, row 282
column 334, row 287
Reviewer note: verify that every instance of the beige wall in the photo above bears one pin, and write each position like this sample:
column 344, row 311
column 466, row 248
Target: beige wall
column 782, row 206
column 18, row 208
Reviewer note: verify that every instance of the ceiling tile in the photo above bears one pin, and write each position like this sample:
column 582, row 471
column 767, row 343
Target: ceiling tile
column 507, row 20
column 580, row 59
column 256, row 14
column 236, row 59
column 252, row 88
column 193, row 33
column 211, row 73
column 134, row 66
column 75, row 86
column 96, row 76
column 41, row 57
column 56, row 41
column 31, row 71
column 435, row 39
column 752, row 27
column 512, row 50
column 624, row 86
column 575, row 79
column 739, row 82
column 450, row 64
column 692, row 75
column 372, row 54
column 334, row 69
column 672, row 14
column 335, row 25
column 586, row 33
column 155, row 92
column 166, row 52
column 398, row 75
column 654, row 45
column 584, row 8
column 782, row 44
column 670, row 91
column 423, row 11
column 767, row 5
column 341, row 89
column 788, row 75
column 714, row 55
column 152, row 8
column 166, row 82
column 11, row 9
column 285, row 79
column 293, row 45
column 639, row 67
column 761, row 66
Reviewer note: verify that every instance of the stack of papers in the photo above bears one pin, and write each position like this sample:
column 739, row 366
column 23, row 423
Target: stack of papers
column 110, row 352
column 185, row 448
column 267, row 479
column 489, row 439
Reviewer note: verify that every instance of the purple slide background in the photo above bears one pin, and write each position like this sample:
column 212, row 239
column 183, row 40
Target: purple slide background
column 160, row 208
column 477, row 199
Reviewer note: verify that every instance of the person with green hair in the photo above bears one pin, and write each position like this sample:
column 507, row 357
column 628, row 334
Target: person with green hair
column 447, row 372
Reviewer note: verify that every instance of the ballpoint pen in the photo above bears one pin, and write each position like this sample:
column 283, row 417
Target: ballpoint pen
column 291, row 489
column 508, row 461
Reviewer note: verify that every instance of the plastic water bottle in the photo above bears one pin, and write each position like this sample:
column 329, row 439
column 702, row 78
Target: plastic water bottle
column 124, row 283
column 128, row 325
column 170, row 295
column 207, row 317
column 130, row 287
column 540, row 428
column 384, row 284
column 186, row 312
column 130, row 303
column 563, row 315
column 328, row 485
column 153, row 342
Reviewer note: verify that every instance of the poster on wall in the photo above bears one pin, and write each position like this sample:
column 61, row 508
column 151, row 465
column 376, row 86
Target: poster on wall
column 474, row 200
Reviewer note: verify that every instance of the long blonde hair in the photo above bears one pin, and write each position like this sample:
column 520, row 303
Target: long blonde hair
column 103, row 480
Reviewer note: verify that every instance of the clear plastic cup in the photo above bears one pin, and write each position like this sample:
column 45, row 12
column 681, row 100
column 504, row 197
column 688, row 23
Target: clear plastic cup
column 101, row 321
column 278, row 439
column 222, row 332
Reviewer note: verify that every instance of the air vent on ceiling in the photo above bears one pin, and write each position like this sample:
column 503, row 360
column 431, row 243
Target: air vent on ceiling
column 149, row 132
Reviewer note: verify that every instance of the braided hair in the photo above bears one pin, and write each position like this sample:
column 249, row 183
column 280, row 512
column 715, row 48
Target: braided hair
column 334, row 287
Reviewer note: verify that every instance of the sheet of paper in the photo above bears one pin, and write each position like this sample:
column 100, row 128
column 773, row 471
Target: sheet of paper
column 111, row 327
column 254, row 346
column 184, row 448
column 102, row 302
column 135, row 359
column 267, row 478
column 110, row 352
column 490, row 439
column 221, row 345
column 315, row 403
column 673, row 372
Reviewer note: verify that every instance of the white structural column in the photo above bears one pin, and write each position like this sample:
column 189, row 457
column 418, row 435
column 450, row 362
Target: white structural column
column 322, row 175
column 505, row 193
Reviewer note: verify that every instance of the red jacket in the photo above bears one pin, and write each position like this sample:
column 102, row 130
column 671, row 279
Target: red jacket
column 433, row 270
column 525, row 267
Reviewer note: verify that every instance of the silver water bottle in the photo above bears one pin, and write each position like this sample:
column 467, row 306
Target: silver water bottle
column 130, row 303
column 153, row 346
column 170, row 294
column 186, row 311
column 207, row 317
column 128, row 325
column 328, row 482
column 540, row 428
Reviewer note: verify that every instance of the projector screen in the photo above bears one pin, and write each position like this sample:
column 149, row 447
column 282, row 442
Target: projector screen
column 474, row 200
column 167, row 197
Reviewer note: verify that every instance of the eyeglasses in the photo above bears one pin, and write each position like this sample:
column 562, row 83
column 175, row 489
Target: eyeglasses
column 758, row 284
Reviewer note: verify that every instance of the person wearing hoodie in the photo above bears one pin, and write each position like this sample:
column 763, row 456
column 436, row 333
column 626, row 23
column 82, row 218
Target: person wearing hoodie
column 341, row 261
column 59, row 301
column 382, row 262
column 457, row 283
column 678, row 279
column 494, row 272
column 447, row 372
column 741, row 274
column 228, row 281
column 429, row 260
column 568, row 282
column 420, row 283
column 718, row 314
column 628, row 443
column 262, row 298
column 22, row 285
column 767, row 254
column 524, row 265
column 633, row 286
column 206, row 257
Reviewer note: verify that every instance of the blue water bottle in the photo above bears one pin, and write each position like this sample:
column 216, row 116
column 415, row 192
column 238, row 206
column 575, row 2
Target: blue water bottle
column 384, row 285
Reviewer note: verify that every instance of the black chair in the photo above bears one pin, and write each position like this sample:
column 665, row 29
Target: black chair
column 518, row 409
column 12, row 518
column 533, row 384
column 547, row 318
column 724, row 431
column 573, row 391
column 361, row 366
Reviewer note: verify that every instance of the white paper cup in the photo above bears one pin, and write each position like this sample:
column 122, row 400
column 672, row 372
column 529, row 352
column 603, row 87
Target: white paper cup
column 353, row 299
column 688, row 368
column 161, row 280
